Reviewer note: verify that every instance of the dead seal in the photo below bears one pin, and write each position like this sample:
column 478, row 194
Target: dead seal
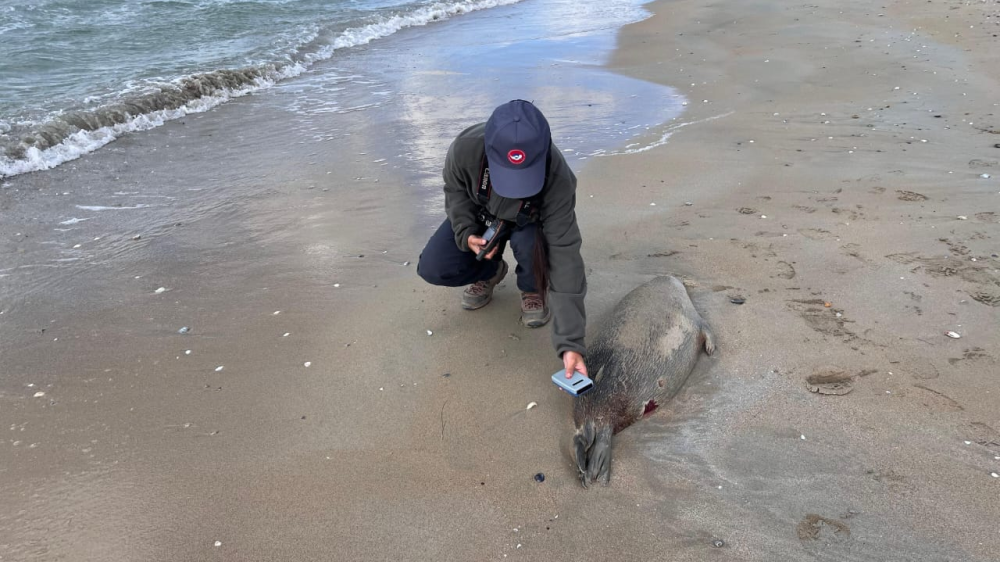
column 642, row 355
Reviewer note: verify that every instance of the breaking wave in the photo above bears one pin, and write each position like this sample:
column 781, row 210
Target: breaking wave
column 67, row 135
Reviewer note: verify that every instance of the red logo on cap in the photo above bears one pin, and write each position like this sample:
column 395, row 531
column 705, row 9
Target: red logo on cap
column 516, row 157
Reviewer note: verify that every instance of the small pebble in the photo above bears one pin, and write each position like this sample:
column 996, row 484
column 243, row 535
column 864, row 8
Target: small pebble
column 219, row 368
column 218, row 543
column 763, row 216
column 160, row 290
column 737, row 300
column 968, row 442
column 336, row 285
column 184, row 330
column 688, row 203
column 405, row 263
column 531, row 405
column 962, row 217
column 652, row 204
column 718, row 543
column 277, row 312
column 286, row 334
column 803, row 437
column 39, row 394
column 187, row 352
column 307, row 363
column 954, row 335
column 995, row 475
column 541, row 477
column 985, row 176
column 430, row 333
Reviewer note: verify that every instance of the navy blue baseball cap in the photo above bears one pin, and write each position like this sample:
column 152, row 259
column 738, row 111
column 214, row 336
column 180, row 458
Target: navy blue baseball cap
column 517, row 148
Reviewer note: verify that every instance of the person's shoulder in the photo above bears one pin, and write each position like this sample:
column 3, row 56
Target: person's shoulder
column 558, row 168
column 469, row 145
column 471, row 136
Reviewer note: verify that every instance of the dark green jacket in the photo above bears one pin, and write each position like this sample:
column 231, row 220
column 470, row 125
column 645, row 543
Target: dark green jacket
column 567, row 278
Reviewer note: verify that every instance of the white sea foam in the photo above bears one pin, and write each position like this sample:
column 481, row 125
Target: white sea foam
column 83, row 142
column 102, row 208
column 665, row 136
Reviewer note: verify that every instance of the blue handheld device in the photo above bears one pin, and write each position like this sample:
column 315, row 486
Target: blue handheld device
column 577, row 385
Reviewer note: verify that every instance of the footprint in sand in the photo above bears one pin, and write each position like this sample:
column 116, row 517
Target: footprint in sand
column 955, row 247
column 970, row 354
column 989, row 299
column 785, row 270
column 988, row 216
column 817, row 528
column 910, row 195
column 827, row 321
column 981, row 434
column 804, row 208
column 936, row 401
column 747, row 211
column 947, row 266
column 849, row 213
column 817, row 233
column 830, row 382
column 979, row 163
column 854, row 251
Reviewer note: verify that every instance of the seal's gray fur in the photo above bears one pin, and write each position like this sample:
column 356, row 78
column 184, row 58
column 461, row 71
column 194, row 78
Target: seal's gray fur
column 642, row 356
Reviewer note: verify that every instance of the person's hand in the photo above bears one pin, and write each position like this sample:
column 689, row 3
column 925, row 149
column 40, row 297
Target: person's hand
column 476, row 243
column 573, row 362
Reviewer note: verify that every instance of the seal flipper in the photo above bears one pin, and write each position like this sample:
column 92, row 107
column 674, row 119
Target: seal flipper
column 582, row 442
column 709, row 339
column 599, row 457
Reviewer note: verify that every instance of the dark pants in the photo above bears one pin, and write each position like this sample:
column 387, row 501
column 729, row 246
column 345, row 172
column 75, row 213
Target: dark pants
column 444, row 263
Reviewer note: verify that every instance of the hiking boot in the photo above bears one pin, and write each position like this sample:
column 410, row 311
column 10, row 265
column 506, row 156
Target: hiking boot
column 534, row 313
column 480, row 293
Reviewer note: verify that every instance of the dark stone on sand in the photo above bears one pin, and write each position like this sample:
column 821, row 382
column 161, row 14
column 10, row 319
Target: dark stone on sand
column 718, row 543
column 539, row 477
column 737, row 300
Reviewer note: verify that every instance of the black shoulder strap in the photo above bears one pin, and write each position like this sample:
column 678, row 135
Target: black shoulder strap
column 485, row 187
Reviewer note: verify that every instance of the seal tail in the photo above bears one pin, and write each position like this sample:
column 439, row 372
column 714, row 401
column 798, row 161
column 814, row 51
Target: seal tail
column 592, row 443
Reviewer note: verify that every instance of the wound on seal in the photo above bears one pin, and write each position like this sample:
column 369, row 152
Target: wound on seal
column 649, row 407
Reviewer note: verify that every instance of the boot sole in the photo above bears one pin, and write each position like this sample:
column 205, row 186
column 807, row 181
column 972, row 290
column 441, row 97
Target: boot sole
column 537, row 323
column 477, row 306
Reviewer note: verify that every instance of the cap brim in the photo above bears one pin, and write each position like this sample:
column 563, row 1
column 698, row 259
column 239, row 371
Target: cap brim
column 519, row 183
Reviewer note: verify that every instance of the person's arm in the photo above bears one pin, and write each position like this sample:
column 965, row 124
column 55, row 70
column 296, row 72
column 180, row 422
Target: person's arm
column 567, row 276
column 459, row 206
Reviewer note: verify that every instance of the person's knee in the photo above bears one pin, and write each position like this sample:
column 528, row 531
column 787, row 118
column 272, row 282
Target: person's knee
column 430, row 271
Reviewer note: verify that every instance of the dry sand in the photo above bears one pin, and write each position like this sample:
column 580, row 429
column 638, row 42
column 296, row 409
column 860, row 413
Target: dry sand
column 809, row 182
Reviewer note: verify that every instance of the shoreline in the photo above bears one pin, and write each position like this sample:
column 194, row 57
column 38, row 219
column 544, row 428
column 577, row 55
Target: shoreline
column 841, row 178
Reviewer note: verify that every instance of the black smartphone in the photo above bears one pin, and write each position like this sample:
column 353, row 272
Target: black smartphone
column 492, row 237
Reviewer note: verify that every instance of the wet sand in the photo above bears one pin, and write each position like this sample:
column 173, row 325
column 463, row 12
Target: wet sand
column 398, row 445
